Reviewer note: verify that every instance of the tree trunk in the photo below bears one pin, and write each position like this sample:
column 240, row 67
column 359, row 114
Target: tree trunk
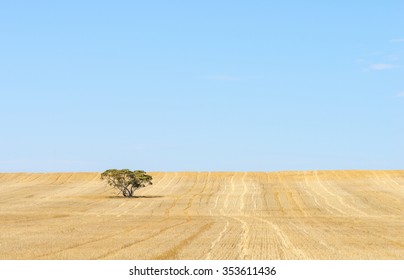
column 126, row 192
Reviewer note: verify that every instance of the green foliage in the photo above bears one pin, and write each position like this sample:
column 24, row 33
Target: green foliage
column 126, row 181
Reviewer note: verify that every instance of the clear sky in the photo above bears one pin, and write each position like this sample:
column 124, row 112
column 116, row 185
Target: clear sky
column 201, row 85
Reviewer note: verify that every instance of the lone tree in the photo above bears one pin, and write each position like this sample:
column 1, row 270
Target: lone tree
column 127, row 181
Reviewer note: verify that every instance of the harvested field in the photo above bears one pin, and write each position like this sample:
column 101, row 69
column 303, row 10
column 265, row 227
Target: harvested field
column 217, row 215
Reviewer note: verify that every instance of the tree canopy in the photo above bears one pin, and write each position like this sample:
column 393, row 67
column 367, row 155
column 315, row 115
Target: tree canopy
column 126, row 181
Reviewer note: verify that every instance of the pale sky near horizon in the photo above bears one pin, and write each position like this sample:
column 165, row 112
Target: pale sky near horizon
column 201, row 85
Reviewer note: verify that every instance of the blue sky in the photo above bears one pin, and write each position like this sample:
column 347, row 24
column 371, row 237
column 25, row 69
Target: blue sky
column 201, row 85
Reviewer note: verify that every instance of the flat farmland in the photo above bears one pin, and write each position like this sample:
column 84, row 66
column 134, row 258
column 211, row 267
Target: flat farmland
column 205, row 215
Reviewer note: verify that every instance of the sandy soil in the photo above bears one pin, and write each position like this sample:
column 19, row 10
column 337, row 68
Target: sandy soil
column 276, row 215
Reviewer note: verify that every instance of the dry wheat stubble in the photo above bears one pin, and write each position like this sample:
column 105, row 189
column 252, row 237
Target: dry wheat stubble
column 197, row 215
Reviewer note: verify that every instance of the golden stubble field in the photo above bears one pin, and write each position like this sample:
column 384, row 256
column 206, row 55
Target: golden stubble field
column 217, row 215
